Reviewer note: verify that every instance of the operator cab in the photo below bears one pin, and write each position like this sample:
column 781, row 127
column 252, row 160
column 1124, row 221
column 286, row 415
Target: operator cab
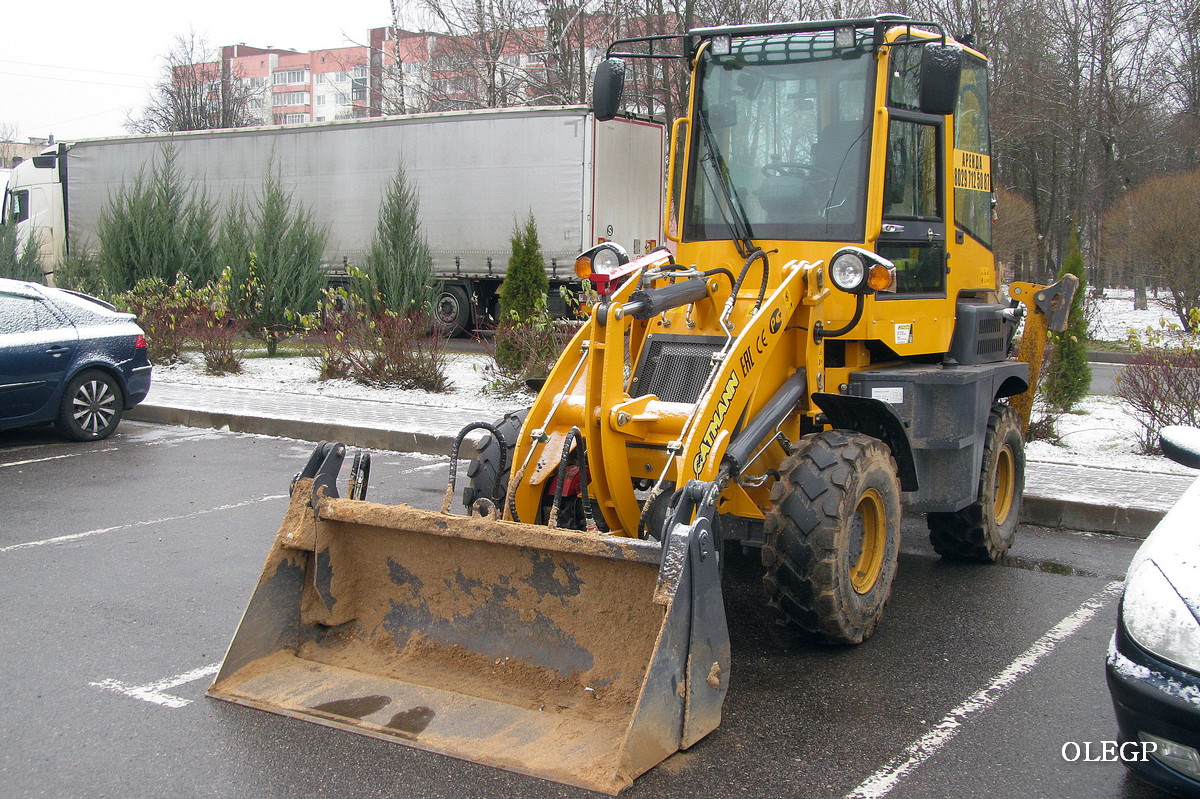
column 785, row 121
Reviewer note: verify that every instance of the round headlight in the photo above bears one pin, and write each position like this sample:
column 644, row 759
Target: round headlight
column 848, row 272
column 605, row 261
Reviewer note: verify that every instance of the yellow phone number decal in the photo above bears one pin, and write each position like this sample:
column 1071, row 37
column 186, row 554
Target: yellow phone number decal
column 972, row 171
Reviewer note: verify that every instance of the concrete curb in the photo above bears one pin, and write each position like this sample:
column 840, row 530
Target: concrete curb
column 1076, row 515
column 1044, row 511
column 351, row 436
column 1110, row 357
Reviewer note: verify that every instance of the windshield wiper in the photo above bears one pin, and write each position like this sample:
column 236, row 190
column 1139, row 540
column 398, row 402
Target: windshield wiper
column 730, row 206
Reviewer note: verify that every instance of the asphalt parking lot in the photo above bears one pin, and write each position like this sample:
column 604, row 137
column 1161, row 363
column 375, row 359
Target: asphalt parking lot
column 126, row 565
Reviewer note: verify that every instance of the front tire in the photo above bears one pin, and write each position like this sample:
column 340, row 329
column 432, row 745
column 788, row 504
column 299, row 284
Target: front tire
column 486, row 465
column 833, row 536
column 91, row 406
column 984, row 530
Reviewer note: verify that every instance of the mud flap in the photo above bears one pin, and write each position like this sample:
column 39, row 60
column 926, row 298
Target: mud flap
column 573, row 657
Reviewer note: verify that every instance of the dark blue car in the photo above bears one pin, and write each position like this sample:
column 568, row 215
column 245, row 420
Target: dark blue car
column 1154, row 660
column 68, row 358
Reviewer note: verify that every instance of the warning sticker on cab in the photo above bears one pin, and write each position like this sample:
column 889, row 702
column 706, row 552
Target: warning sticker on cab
column 972, row 171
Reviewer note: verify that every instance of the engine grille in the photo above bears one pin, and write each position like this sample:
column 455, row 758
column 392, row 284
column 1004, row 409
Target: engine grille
column 674, row 368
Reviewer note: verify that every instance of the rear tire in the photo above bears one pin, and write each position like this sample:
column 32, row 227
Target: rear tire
column 984, row 530
column 484, row 466
column 452, row 314
column 833, row 536
column 91, row 406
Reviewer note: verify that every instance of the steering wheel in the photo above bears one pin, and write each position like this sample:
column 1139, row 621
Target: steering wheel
column 793, row 169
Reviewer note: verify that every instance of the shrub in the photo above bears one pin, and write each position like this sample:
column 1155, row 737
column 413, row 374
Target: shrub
column 1162, row 383
column 215, row 326
column 383, row 348
column 1068, row 375
column 164, row 311
column 531, row 346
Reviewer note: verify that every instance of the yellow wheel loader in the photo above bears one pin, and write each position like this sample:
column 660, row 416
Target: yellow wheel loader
column 823, row 344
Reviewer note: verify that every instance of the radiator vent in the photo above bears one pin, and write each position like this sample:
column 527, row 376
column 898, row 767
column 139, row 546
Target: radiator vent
column 674, row 368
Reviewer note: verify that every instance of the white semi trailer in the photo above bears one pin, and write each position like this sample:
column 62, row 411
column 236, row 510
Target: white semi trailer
column 477, row 173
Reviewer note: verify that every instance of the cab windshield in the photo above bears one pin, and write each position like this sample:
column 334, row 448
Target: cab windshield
column 781, row 140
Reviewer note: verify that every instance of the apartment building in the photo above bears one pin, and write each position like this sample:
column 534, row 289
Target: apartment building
column 397, row 72
column 288, row 87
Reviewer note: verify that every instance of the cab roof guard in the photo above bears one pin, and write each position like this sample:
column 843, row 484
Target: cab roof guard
column 691, row 41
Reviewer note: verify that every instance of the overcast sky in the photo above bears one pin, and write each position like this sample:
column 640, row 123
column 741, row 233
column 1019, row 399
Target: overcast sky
column 76, row 68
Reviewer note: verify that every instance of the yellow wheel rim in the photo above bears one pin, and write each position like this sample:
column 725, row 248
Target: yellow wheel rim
column 1005, row 485
column 872, row 518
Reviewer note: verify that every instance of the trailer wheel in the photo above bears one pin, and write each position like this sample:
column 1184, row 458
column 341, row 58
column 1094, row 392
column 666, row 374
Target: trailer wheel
column 984, row 530
column 833, row 536
column 484, row 466
column 452, row 315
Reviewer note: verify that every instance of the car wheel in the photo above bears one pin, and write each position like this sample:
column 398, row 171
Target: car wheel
column 91, row 406
column 984, row 530
column 833, row 536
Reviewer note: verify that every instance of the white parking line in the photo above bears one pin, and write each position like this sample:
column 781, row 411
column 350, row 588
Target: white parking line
column 427, row 468
column 155, row 691
column 57, row 457
column 101, row 530
column 883, row 781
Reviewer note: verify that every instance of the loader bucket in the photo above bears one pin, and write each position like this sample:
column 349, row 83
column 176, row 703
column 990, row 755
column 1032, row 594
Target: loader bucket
column 574, row 657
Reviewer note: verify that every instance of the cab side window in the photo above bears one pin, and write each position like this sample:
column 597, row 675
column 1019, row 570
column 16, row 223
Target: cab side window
column 914, row 228
column 18, row 206
column 911, row 182
column 972, row 153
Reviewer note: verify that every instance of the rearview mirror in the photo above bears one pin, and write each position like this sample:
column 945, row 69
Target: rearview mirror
column 941, row 70
column 607, row 86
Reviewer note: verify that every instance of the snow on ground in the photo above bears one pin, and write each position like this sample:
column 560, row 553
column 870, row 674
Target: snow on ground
column 1115, row 315
column 1102, row 432
column 467, row 374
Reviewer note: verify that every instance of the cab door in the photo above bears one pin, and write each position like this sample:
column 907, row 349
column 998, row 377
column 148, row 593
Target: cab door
column 913, row 234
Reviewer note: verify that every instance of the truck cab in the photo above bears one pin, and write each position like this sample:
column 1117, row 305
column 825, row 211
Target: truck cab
column 33, row 203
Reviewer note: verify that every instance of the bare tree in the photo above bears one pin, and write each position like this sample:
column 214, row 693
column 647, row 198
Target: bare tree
column 477, row 63
column 1153, row 228
column 1015, row 233
column 197, row 91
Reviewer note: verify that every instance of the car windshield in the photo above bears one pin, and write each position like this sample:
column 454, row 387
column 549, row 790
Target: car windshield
column 784, row 123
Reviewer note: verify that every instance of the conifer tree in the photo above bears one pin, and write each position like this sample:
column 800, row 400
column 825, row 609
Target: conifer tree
column 399, row 262
column 1068, row 375
column 285, row 276
column 525, row 283
column 157, row 227
column 18, row 263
